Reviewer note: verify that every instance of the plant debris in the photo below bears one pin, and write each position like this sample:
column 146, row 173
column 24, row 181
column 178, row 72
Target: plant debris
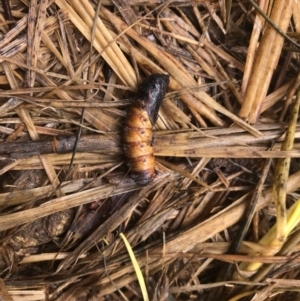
column 219, row 221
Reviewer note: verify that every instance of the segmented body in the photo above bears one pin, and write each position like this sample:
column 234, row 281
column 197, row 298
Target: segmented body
column 138, row 130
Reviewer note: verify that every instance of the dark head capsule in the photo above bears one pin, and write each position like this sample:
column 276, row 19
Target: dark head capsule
column 152, row 91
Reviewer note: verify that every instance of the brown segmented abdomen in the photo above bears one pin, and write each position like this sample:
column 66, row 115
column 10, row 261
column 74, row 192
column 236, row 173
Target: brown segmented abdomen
column 138, row 133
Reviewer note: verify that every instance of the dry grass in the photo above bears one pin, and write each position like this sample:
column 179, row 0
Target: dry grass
column 220, row 220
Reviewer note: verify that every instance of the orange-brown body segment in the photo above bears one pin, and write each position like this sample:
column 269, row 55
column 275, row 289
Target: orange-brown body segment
column 137, row 145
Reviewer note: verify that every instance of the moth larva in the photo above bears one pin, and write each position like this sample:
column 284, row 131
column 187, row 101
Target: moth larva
column 138, row 130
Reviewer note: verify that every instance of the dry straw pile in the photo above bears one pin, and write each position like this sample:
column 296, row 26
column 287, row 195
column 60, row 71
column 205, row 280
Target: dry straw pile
column 219, row 221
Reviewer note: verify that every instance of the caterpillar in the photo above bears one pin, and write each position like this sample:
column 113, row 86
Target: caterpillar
column 138, row 128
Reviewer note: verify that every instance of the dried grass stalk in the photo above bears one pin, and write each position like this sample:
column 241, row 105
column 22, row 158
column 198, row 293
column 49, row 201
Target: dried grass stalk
column 266, row 60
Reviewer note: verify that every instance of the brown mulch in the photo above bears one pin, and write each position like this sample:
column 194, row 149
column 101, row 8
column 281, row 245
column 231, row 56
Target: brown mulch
column 220, row 219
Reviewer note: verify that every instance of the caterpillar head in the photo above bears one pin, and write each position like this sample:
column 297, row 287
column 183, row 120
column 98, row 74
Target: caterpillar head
column 152, row 92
